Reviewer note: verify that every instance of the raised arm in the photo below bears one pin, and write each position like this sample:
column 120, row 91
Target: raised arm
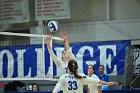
column 53, row 56
column 67, row 46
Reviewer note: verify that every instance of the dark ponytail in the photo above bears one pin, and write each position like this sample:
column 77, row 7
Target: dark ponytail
column 73, row 66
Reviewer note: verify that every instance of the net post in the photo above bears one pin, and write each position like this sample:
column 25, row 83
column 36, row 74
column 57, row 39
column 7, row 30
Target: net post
column 43, row 57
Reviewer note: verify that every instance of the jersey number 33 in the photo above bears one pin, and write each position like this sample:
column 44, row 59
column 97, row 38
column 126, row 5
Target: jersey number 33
column 72, row 85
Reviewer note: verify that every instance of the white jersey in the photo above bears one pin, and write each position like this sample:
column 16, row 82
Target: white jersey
column 93, row 87
column 69, row 84
column 62, row 68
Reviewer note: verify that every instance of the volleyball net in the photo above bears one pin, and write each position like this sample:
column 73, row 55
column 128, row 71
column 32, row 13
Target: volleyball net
column 23, row 57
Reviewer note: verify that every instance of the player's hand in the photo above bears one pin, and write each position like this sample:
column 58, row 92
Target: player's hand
column 111, row 83
column 63, row 35
column 48, row 39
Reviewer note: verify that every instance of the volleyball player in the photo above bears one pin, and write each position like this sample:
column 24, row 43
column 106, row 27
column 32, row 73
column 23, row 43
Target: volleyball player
column 92, row 88
column 72, row 82
column 66, row 54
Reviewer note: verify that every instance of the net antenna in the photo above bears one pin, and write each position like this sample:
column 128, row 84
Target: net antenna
column 20, row 44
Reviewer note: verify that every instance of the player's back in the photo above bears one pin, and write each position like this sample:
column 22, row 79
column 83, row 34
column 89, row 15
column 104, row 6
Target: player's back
column 71, row 84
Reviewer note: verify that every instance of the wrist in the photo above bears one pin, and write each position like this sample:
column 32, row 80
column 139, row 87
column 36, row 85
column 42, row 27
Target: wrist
column 65, row 38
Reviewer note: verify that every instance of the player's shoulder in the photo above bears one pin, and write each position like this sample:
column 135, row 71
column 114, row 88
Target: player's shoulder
column 82, row 74
column 65, row 75
column 95, row 76
column 62, row 76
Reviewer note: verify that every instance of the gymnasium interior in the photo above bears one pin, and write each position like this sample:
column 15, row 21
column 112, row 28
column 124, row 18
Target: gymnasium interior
column 100, row 32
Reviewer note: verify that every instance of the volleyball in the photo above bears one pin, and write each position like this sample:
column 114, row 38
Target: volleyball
column 53, row 26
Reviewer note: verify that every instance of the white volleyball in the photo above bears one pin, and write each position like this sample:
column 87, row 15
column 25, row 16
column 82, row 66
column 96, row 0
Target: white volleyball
column 53, row 26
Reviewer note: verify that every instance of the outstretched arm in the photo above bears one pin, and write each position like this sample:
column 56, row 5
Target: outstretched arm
column 53, row 56
column 97, row 81
column 67, row 46
column 107, row 83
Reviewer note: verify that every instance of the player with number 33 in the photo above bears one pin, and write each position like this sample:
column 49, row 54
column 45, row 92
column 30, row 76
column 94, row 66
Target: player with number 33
column 73, row 82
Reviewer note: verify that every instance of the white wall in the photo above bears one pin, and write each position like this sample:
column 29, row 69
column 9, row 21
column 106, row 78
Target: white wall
column 103, row 31
column 125, row 9
column 88, row 21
